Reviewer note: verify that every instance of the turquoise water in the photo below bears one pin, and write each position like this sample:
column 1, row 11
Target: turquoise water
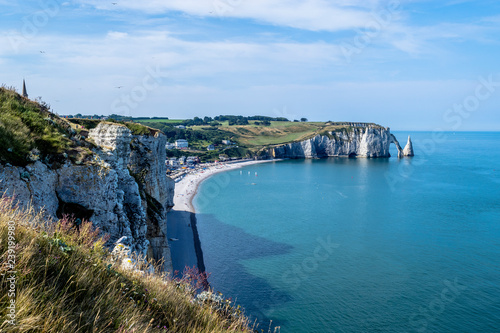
column 362, row 245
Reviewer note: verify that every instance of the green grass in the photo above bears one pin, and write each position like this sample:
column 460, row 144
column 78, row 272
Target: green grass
column 67, row 281
column 280, row 124
column 87, row 123
column 28, row 128
column 278, row 133
column 224, row 123
column 273, row 140
column 138, row 129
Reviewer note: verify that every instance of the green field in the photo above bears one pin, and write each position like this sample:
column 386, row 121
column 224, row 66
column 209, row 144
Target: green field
column 279, row 132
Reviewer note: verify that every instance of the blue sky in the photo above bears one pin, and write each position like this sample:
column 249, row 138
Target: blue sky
column 406, row 64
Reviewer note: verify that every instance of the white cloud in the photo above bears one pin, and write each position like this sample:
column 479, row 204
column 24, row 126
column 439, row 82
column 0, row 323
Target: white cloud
column 312, row 15
column 99, row 64
column 117, row 35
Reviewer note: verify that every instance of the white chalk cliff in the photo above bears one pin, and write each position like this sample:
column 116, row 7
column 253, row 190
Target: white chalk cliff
column 125, row 192
column 359, row 141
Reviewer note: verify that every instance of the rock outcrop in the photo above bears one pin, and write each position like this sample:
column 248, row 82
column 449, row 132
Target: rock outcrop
column 125, row 192
column 398, row 146
column 368, row 141
column 408, row 150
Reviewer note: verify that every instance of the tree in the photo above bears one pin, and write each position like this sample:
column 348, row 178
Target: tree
column 303, row 120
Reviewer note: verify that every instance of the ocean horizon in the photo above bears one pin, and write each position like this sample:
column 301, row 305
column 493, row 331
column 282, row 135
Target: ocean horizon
column 361, row 245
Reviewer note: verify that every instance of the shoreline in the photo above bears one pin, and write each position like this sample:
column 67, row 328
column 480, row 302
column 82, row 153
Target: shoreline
column 184, row 241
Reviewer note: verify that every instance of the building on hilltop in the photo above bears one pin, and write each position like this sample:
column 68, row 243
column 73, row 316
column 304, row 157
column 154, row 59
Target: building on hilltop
column 25, row 93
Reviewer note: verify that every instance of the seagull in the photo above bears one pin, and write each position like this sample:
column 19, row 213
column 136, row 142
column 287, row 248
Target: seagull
column 114, row 3
column 42, row 51
column 119, row 87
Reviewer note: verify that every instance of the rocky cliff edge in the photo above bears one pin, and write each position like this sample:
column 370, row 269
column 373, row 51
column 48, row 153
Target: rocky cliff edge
column 124, row 191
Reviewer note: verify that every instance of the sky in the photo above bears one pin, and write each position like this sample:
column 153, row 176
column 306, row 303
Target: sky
column 404, row 64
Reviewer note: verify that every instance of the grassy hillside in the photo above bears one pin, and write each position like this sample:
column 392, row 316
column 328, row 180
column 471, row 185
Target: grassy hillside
column 62, row 279
column 278, row 132
column 250, row 138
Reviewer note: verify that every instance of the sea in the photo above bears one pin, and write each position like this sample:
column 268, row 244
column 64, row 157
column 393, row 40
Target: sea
column 361, row 245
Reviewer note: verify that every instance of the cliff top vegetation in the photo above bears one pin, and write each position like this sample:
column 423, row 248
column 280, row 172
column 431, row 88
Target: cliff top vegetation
column 30, row 132
column 249, row 132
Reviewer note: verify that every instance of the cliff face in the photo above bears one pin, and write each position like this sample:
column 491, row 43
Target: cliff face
column 147, row 164
column 105, row 192
column 369, row 141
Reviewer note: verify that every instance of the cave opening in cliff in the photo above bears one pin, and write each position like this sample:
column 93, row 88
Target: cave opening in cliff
column 353, row 155
column 74, row 211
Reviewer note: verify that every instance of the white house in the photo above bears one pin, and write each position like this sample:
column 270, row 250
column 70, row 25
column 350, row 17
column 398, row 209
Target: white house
column 227, row 142
column 170, row 145
column 181, row 143
column 211, row 147
column 173, row 162
column 180, row 126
